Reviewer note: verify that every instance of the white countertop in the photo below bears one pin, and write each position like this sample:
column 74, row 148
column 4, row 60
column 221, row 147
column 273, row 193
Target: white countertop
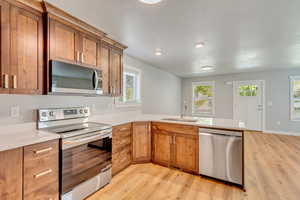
column 115, row 120
column 14, row 136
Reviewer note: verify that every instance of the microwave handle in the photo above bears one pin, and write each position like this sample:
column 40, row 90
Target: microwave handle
column 96, row 78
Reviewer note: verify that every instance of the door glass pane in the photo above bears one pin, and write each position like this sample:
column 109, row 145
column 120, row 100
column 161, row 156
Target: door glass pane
column 248, row 90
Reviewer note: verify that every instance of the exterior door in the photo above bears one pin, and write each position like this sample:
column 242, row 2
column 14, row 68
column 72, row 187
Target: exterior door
column 162, row 143
column 248, row 103
column 186, row 152
column 63, row 42
column 4, row 51
column 141, row 142
column 26, row 64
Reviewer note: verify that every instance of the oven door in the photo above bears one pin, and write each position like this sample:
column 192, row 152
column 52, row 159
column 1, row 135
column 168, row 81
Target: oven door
column 66, row 78
column 84, row 157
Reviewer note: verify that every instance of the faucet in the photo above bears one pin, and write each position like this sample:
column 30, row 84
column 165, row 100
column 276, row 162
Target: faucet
column 185, row 109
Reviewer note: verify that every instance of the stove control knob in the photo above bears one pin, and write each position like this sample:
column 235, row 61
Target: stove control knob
column 86, row 111
column 44, row 114
column 51, row 114
column 81, row 111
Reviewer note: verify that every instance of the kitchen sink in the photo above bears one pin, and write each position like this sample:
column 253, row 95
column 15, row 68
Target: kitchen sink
column 181, row 119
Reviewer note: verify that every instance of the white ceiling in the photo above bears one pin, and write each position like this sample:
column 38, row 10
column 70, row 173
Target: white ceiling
column 239, row 35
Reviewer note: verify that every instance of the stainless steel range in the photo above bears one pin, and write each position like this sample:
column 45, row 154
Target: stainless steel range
column 86, row 150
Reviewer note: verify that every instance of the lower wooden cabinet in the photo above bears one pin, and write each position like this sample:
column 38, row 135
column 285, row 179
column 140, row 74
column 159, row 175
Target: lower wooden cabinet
column 121, row 147
column 176, row 146
column 141, row 142
column 30, row 173
column 11, row 170
column 41, row 171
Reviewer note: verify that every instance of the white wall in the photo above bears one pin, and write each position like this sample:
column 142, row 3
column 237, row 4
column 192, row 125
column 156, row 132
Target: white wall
column 161, row 94
column 277, row 92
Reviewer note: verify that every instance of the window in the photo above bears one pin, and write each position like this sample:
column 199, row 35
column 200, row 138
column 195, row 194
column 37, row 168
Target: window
column 295, row 97
column 131, row 86
column 203, row 98
column 248, row 90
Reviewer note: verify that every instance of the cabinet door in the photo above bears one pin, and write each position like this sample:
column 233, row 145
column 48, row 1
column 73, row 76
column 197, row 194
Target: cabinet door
column 162, row 143
column 4, row 51
column 186, row 152
column 26, row 64
column 116, row 72
column 63, row 42
column 11, row 171
column 104, row 65
column 141, row 142
column 88, row 50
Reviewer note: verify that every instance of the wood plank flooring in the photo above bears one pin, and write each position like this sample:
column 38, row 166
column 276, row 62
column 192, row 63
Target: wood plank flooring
column 272, row 173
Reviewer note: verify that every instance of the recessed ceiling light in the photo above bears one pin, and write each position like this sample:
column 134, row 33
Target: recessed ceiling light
column 199, row 45
column 150, row 1
column 207, row 68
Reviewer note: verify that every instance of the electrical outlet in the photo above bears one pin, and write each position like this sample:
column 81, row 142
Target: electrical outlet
column 15, row 111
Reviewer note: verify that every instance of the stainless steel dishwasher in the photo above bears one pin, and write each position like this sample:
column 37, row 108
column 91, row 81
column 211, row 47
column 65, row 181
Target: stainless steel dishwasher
column 221, row 154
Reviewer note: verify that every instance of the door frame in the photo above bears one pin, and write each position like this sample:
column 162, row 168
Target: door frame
column 263, row 93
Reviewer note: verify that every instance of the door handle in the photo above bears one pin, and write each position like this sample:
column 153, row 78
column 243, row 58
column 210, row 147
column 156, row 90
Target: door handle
column 14, row 77
column 5, row 81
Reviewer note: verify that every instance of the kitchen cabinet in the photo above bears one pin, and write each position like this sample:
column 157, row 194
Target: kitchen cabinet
column 26, row 51
column 162, row 148
column 186, row 152
column 141, row 142
column 104, row 65
column 4, row 48
column 176, row 145
column 63, row 42
column 21, row 49
column 121, row 147
column 116, row 73
column 11, row 170
column 41, row 171
column 89, row 53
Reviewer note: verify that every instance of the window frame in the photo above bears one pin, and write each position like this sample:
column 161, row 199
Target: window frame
column 292, row 98
column 137, row 91
column 205, row 83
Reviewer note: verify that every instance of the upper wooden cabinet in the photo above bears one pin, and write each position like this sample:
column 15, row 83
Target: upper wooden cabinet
column 21, row 49
column 141, row 142
column 5, row 43
column 11, row 171
column 116, row 74
column 63, row 43
column 89, row 53
column 26, row 53
column 104, row 64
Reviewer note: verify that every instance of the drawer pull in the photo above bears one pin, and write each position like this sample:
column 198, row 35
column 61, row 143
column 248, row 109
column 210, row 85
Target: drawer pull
column 43, row 150
column 43, row 173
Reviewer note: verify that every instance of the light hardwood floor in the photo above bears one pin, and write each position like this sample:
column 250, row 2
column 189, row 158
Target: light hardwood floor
column 272, row 173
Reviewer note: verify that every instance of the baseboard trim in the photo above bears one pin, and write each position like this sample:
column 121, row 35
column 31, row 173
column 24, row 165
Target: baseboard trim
column 281, row 132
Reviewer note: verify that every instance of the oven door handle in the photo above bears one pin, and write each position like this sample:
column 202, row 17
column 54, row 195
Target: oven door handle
column 74, row 142
column 96, row 79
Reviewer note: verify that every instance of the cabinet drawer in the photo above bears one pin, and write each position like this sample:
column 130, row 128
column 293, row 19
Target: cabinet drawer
column 121, row 160
column 36, row 152
column 41, row 171
column 122, row 128
column 175, row 128
column 120, row 141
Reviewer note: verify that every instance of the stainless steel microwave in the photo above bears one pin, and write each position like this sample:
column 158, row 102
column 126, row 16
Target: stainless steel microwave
column 72, row 79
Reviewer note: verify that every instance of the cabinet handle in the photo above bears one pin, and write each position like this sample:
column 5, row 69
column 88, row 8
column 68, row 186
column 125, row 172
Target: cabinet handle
column 14, row 77
column 5, row 81
column 78, row 56
column 43, row 150
column 174, row 140
column 82, row 58
column 43, row 173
